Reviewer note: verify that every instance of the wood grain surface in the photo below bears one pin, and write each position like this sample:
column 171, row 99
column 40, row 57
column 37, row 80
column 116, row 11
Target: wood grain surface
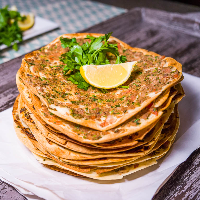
column 8, row 88
column 185, row 181
column 8, row 192
column 167, row 5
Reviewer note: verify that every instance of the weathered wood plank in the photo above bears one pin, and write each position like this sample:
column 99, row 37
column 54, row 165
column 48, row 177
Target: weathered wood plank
column 185, row 181
column 8, row 88
column 7, row 191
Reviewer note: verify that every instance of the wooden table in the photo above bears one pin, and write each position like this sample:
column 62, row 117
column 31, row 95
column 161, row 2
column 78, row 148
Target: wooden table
column 165, row 5
column 129, row 28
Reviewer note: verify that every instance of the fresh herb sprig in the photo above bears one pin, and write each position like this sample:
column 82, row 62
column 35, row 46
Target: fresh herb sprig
column 10, row 32
column 94, row 52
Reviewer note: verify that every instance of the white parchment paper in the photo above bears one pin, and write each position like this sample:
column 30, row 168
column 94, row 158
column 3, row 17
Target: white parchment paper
column 19, row 167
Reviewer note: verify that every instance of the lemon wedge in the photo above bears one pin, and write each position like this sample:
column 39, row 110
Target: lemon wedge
column 27, row 23
column 107, row 76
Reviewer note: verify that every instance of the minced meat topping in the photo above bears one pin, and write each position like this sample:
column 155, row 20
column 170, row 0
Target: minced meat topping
column 45, row 73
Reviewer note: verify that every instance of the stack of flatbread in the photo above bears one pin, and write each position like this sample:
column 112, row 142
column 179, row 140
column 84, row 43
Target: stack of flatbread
column 98, row 134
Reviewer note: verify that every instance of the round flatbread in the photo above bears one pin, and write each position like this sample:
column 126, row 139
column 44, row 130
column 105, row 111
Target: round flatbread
column 69, row 102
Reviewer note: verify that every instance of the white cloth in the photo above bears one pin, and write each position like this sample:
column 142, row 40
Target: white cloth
column 19, row 167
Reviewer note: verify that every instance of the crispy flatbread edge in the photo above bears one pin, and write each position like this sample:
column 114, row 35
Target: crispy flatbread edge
column 155, row 119
column 108, row 176
column 77, row 155
column 61, row 152
column 53, row 165
column 23, row 138
column 69, row 144
column 92, row 123
column 111, row 176
column 66, row 153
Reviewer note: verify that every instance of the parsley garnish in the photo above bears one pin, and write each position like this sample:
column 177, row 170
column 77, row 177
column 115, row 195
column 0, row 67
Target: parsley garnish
column 10, row 32
column 77, row 79
column 120, row 59
column 124, row 86
column 103, row 90
column 137, row 121
column 94, row 52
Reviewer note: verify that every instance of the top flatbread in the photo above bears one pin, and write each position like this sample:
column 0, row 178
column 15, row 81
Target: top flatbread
column 43, row 75
column 79, row 132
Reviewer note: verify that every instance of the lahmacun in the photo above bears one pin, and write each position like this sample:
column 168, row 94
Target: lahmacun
column 82, row 130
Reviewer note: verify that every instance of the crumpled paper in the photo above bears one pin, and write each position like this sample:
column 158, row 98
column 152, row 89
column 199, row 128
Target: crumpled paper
column 19, row 167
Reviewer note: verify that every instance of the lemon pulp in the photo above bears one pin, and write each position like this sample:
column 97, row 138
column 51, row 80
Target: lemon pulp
column 27, row 23
column 107, row 76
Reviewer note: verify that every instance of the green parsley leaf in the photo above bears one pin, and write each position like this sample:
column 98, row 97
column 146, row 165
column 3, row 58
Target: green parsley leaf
column 79, row 80
column 93, row 52
column 10, row 32
column 137, row 121
column 68, row 42
column 124, row 86
column 96, row 44
column 15, row 46
column 120, row 59
column 103, row 90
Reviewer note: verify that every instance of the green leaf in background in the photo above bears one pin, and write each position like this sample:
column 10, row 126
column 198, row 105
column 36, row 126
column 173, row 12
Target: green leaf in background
column 120, row 59
column 9, row 29
column 15, row 46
